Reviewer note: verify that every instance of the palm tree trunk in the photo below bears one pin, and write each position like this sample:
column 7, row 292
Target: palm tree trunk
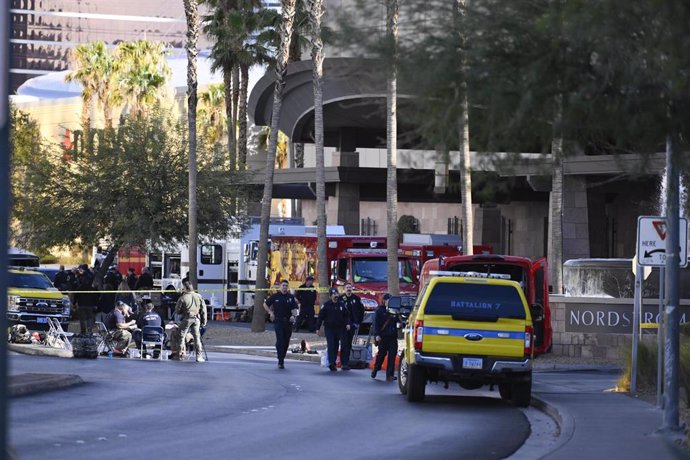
column 191, row 10
column 288, row 18
column 235, row 105
column 392, row 7
column 242, row 138
column 466, row 177
column 555, row 247
column 317, row 56
column 227, row 86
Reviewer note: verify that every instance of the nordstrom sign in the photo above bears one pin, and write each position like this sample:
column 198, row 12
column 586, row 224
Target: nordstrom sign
column 611, row 319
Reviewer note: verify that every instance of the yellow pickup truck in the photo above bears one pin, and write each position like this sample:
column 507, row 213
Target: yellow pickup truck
column 471, row 329
column 32, row 298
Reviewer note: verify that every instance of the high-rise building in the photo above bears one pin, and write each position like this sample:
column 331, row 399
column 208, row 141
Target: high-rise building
column 43, row 31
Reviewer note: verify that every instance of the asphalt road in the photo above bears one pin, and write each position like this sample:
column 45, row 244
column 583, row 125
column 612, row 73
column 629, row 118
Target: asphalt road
column 237, row 406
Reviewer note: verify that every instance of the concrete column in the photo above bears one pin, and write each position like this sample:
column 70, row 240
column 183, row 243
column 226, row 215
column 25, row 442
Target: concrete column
column 347, row 195
column 575, row 218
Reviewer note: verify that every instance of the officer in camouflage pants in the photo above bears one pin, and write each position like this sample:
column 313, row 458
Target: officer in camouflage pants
column 192, row 310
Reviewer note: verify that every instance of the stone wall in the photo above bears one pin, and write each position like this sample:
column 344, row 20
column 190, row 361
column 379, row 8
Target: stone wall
column 598, row 328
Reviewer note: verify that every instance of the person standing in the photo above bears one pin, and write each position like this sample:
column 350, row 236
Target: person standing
column 61, row 280
column 306, row 296
column 86, row 298
column 282, row 307
column 386, row 332
column 190, row 306
column 336, row 320
column 131, row 279
column 356, row 310
column 145, row 281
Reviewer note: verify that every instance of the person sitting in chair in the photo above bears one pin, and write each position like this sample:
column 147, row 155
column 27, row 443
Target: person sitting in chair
column 149, row 317
column 119, row 328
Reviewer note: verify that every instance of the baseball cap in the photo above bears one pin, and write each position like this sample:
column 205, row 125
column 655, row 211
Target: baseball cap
column 386, row 296
column 333, row 291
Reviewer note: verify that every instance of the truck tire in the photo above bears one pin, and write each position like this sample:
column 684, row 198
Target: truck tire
column 416, row 383
column 506, row 391
column 403, row 371
column 522, row 393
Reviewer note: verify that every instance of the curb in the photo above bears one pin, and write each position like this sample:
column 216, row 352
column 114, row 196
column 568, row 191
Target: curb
column 40, row 383
column 39, row 350
column 564, row 423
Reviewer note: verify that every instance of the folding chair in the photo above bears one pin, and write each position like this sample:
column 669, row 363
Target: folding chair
column 56, row 336
column 152, row 336
column 105, row 344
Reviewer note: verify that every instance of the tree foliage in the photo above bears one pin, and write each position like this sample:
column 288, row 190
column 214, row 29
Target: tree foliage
column 130, row 189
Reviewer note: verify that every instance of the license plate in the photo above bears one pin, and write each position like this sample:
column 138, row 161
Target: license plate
column 42, row 320
column 472, row 363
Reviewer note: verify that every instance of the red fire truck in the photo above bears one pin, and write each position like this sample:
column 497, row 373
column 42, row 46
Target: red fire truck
column 532, row 276
column 357, row 260
column 426, row 246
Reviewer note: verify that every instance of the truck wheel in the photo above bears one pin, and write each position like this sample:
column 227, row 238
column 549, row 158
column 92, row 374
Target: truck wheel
column 403, row 370
column 506, row 391
column 416, row 383
column 522, row 393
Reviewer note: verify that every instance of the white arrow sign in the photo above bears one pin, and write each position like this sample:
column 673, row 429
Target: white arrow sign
column 651, row 241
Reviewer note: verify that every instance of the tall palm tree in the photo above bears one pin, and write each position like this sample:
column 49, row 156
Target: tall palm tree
column 392, row 11
column 94, row 69
column 460, row 8
column 288, row 17
column 191, row 12
column 315, row 8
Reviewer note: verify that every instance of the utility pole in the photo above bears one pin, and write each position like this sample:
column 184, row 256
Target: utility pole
column 672, row 338
column 4, row 209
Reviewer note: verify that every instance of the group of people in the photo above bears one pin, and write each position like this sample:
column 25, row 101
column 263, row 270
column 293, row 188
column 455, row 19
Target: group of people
column 94, row 302
column 341, row 317
column 125, row 326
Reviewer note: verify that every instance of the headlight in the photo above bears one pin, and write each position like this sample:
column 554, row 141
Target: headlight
column 369, row 303
column 13, row 303
column 65, row 305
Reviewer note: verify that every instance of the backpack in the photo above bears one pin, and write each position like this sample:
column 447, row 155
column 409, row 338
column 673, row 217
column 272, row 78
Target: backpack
column 20, row 334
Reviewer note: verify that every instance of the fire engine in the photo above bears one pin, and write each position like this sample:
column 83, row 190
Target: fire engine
column 426, row 246
column 531, row 275
column 357, row 260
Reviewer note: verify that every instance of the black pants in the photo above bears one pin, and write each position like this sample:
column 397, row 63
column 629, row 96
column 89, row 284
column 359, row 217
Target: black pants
column 283, row 330
column 388, row 346
column 335, row 339
column 306, row 317
column 347, row 342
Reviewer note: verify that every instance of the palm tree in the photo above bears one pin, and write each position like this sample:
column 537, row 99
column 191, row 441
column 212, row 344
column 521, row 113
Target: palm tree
column 317, row 55
column 392, row 7
column 94, row 69
column 142, row 73
column 212, row 113
column 288, row 17
column 465, row 160
column 191, row 12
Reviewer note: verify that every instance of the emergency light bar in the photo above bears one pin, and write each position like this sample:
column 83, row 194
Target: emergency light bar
column 500, row 276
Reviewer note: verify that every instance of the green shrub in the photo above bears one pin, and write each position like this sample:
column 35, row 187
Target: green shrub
column 48, row 259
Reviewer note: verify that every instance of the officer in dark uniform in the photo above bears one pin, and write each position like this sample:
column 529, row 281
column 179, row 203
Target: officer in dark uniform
column 336, row 319
column 282, row 308
column 386, row 332
column 356, row 310
column 306, row 296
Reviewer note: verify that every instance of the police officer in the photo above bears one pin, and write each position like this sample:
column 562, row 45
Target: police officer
column 148, row 317
column 356, row 310
column 386, row 332
column 306, row 296
column 282, row 308
column 192, row 310
column 336, row 319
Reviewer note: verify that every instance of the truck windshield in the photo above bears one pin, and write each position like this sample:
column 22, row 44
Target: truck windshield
column 29, row 281
column 516, row 272
column 375, row 269
column 475, row 300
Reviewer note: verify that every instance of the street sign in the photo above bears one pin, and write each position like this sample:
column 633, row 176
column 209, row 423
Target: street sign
column 651, row 241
